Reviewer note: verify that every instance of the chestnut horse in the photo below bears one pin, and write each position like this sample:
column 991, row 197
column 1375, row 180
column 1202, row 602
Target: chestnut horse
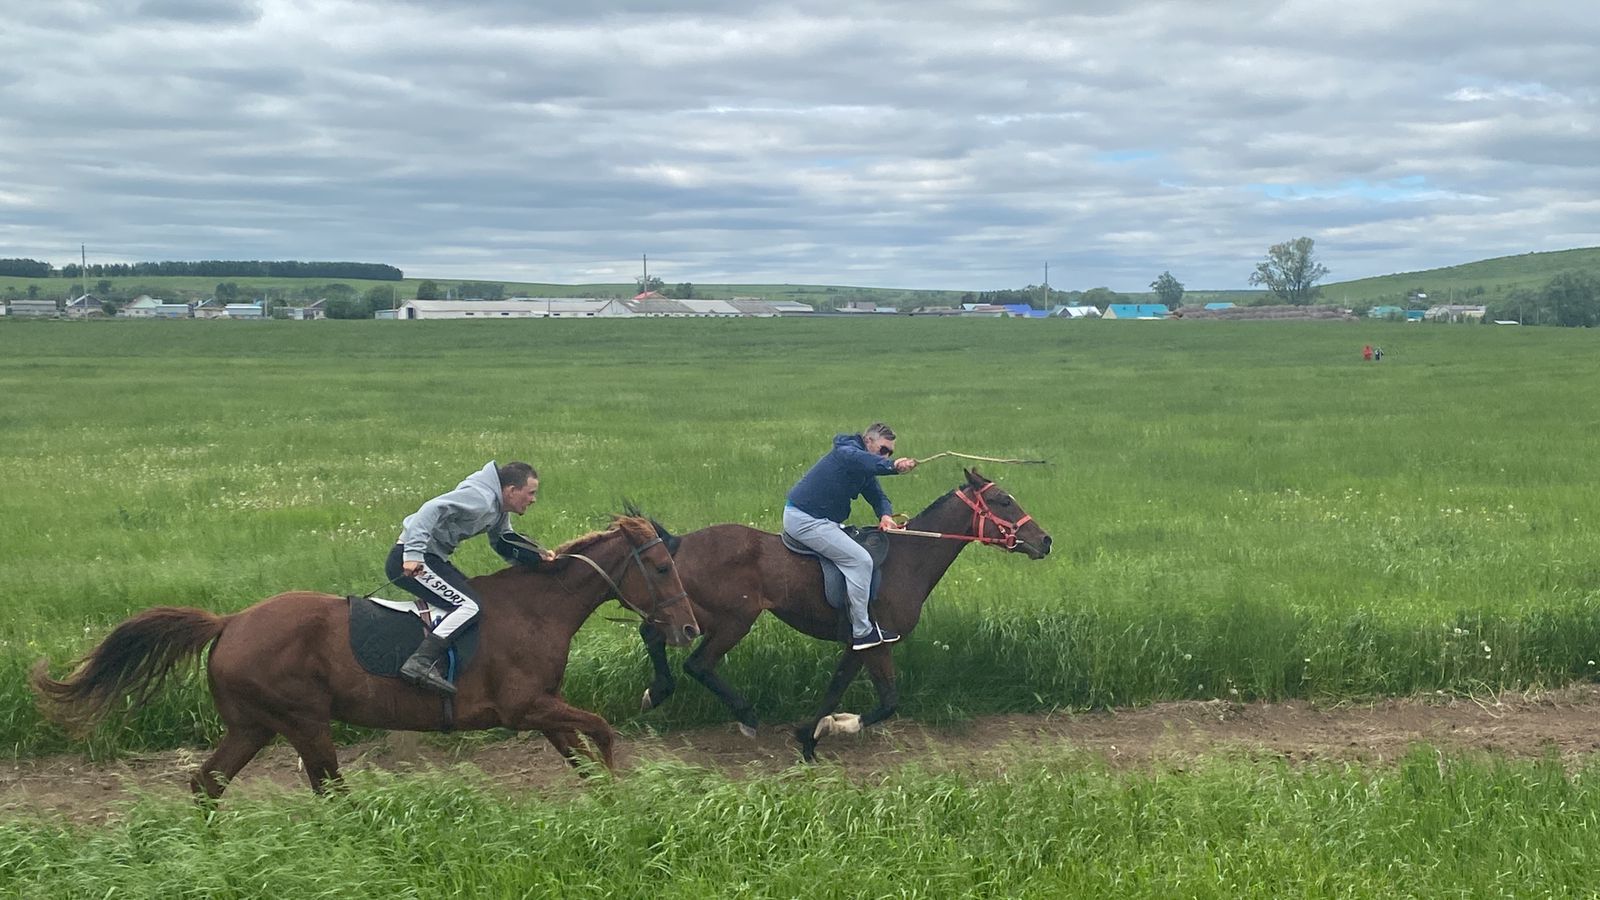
column 284, row 666
column 733, row 573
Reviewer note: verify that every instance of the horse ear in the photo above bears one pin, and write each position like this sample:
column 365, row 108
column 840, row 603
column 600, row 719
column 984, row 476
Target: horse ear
column 974, row 479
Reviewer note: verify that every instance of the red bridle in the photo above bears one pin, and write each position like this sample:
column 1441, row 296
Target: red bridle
column 982, row 515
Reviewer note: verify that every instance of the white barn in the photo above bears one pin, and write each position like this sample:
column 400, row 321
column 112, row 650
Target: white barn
column 515, row 308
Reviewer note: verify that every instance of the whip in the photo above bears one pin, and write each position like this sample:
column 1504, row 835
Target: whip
column 1022, row 462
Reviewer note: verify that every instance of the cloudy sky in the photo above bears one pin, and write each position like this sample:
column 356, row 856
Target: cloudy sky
column 873, row 142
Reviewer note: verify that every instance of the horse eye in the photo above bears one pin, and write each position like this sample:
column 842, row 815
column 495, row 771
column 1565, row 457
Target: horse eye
column 1004, row 500
column 663, row 569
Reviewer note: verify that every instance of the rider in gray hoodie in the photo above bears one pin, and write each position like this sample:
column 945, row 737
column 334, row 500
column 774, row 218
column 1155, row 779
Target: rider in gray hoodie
column 420, row 561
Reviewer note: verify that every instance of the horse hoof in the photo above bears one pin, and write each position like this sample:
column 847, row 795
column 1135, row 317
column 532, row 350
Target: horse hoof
column 747, row 731
column 845, row 723
column 646, row 705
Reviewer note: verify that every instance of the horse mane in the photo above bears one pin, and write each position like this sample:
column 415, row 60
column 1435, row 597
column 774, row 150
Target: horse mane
column 632, row 510
column 634, row 526
column 973, row 477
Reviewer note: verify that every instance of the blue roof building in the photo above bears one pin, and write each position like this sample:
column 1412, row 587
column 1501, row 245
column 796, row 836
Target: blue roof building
column 1135, row 311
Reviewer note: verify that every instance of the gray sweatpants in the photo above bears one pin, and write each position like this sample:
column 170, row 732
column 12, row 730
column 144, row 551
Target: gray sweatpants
column 828, row 538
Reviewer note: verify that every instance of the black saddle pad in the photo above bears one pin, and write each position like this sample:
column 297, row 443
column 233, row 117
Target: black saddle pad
column 382, row 639
column 873, row 540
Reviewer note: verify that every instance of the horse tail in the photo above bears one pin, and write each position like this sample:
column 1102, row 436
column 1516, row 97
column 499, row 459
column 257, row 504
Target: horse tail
column 133, row 660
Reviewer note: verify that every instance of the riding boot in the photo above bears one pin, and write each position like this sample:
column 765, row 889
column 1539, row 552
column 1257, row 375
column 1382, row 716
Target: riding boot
column 424, row 667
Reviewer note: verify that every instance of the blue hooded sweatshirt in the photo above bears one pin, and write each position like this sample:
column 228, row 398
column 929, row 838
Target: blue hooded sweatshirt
column 842, row 474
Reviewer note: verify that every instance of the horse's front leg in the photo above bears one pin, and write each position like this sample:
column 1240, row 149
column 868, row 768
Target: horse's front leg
column 655, row 644
column 702, row 667
column 555, row 716
column 566, row 744
column 812, row 731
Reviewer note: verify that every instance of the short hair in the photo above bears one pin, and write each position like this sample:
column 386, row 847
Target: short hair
column 516, row 474
column 881, row 430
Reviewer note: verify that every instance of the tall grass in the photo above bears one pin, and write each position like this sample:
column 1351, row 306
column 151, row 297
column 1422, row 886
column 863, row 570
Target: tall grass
column 1433, row 826
column 1239, row 509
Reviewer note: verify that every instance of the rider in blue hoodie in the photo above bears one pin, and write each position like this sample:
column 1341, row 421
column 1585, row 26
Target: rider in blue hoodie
column 820, row 502
column 420, row 561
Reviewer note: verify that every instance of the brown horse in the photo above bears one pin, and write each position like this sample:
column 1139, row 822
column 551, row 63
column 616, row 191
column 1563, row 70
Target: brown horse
column 733, row 573
column 284, row 666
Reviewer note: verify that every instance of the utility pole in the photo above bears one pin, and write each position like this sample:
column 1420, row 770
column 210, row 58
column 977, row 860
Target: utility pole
column 1047, row 284
column 83, row 269
column 645, row 286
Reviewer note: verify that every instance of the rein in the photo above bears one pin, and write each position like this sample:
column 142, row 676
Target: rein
column 981, row 515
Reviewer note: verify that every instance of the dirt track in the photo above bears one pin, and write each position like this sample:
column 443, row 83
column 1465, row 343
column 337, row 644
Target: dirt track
column 1562, row 722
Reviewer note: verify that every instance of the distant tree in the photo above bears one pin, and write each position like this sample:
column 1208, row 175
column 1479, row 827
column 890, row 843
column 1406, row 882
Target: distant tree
column 227, row 292
column 380, row 296
column 349, row 307
column 683, row 291
column 25, row 268
column 481, row 290
column 428, row 290
column 1102, row 297
column 648, row 284
column 1572, row 299
column 1032, row 295
column 1291, row 271
column 33, row 292
column 1169, row 289
column 103, row 286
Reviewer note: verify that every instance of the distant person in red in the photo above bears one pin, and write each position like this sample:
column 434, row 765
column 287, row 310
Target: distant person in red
column 1366, row 353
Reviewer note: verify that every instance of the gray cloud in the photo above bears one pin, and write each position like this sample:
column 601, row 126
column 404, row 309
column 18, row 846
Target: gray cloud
column 922, row 144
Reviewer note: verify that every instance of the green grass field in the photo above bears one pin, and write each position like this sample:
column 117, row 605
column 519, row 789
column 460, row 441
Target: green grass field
column 1239, row 510
column 1063, row 827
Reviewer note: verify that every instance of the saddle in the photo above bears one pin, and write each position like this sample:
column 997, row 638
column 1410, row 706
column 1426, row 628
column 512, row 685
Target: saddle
column 873, row 540
column 384, row 634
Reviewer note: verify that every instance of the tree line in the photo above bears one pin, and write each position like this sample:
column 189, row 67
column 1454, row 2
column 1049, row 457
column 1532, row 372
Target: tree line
column 221, row 268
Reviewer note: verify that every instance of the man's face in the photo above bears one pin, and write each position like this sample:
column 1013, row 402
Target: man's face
column 879, row 446
column 518, row 499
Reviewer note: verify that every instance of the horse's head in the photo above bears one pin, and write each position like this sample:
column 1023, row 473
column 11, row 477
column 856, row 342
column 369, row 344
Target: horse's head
column 997, row 518
column 649, row 582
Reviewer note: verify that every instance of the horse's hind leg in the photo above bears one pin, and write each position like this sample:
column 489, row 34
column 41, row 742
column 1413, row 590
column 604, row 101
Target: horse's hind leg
column 314, row 742
column 808, row 733
column 702, row 667
column 662, row 686
column 239, row 745
column 881, row 667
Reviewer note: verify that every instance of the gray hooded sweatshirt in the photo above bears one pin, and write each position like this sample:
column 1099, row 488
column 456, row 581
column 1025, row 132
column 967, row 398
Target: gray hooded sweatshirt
column 442, row 523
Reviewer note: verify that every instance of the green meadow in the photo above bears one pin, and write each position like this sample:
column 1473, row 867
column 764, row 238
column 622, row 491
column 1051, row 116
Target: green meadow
column 1059, row 827
column 1240, row 510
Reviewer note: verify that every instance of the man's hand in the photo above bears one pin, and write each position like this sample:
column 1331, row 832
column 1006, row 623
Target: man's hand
column 904, row 464
column 547, row 555
column 887, row 523
column 410, row 568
